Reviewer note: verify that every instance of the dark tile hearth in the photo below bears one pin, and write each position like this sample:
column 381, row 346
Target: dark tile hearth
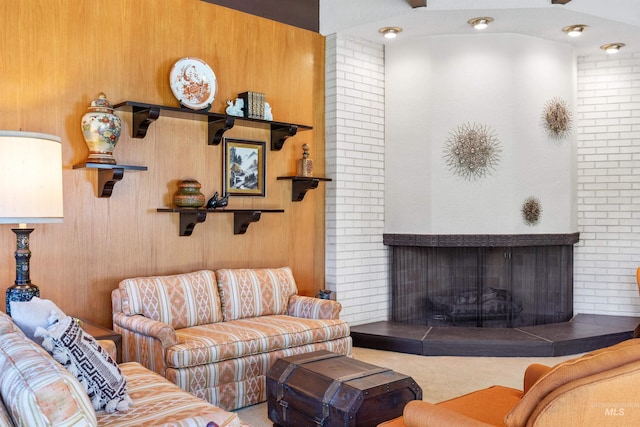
column 584, row 332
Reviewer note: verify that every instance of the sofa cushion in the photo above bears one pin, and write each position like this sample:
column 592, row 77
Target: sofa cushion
column 246, row 293
column 36, row 390
column 181, row 300
column 158, row 402
column 228, row 340
column 81, row 354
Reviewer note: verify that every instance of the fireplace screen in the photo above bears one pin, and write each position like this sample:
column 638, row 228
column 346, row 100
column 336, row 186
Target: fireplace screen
column 484, row 287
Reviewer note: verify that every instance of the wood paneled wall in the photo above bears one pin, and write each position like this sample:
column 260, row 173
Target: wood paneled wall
column 58, row 55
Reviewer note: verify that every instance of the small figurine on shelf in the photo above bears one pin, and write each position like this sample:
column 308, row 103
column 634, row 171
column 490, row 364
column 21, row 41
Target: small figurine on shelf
column 305, row 164
column 211, row 204
column 223, row 202
column 215, row 202
column 235, row 109
column 268, row 115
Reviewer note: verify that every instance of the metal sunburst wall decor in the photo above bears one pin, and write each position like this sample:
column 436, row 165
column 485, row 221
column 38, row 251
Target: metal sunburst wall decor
column 557, row 118
column 531, row 210
column 472, row 151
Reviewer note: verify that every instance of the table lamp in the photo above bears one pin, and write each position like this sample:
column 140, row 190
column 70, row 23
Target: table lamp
column 30, row 192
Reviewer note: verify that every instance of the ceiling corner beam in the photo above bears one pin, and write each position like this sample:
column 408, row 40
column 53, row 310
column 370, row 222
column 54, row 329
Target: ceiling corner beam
column 418, row 3
column 560, row 1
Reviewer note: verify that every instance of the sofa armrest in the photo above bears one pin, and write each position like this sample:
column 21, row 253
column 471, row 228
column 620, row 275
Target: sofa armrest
column 110, row 347
column 141, row 325
column 532, row 374
column 313, row 308
column 418, row 413
column 144, row 340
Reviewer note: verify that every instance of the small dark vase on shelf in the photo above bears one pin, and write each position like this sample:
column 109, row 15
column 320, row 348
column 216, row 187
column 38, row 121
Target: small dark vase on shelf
column 189, row 195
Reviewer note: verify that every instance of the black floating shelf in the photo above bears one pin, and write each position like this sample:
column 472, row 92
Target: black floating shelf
column 108, row 175
column 144, row 114
column 301, row 184
column 190, row 217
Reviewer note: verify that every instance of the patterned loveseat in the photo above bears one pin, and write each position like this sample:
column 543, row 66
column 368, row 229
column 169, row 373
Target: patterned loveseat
column 216, row 334
column 36, row 390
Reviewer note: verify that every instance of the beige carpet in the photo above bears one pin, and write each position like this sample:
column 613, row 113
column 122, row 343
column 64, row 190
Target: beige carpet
column 440, row 377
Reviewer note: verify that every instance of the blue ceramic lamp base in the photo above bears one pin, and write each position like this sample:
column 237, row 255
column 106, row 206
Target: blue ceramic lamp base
column 23, row 289
column 20, row 293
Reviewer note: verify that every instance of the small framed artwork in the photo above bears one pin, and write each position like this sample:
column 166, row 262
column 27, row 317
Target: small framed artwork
column 244, row 164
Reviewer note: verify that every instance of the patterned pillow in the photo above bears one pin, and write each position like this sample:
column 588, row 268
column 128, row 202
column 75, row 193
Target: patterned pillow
column 180, row 300
column 246, row 293
column 81, row 354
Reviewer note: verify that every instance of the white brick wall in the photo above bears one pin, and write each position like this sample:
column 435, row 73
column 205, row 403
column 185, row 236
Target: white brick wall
column 608, row 165
column 356, row 259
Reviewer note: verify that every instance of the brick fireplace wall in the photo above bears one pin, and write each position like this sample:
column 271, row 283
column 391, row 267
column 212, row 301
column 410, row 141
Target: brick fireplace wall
column 356, row 259
column 608, row 149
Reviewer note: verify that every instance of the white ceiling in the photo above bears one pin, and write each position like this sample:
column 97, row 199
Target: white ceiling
column 609, row 21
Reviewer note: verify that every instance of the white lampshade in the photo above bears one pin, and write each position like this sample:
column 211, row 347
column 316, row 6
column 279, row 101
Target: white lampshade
column 30, row 178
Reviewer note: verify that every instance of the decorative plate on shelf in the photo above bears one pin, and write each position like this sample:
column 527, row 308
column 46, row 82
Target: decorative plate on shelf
column 193, row 83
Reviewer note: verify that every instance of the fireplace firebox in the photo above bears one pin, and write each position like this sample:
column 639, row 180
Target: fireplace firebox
column 481, row 280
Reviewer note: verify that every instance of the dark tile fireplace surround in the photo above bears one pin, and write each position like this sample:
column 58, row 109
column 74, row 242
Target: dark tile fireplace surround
column 487, row 295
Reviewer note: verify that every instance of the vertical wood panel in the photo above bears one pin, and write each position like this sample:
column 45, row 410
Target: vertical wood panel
column 59, row 55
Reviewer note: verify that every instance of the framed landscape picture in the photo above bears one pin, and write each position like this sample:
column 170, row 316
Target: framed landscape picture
column 244, row 164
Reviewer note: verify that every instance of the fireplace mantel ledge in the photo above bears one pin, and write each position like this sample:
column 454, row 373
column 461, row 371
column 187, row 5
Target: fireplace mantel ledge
column 480, row 240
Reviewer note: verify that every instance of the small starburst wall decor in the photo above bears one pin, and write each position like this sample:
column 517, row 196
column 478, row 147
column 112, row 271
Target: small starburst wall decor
column 531, row 210
column 556, row 118
column 472, row 151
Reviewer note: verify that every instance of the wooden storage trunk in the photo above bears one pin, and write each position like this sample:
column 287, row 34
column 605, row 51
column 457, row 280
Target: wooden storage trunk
column 328, row 389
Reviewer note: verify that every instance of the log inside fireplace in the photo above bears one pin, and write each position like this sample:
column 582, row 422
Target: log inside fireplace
column 481, row 280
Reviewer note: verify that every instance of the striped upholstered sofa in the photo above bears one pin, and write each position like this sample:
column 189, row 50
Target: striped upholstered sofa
column 216, row 334
column 36, row 390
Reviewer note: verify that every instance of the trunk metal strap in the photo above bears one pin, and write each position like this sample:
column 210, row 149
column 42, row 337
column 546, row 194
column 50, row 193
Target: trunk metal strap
column 335, row 386
column 283, row 378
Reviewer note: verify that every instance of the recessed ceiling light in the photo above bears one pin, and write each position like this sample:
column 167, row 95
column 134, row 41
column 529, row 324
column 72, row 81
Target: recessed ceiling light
column 480, row 23
column 390, row 32
column 612, row 47
column 575, row 30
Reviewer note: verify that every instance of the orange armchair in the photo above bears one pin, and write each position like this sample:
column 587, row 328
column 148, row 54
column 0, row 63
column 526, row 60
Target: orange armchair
column 601, row 388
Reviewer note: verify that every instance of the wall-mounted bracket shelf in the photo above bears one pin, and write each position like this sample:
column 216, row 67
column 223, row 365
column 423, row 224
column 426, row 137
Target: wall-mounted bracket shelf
column 301, row 184
column 190, row 217
column 144, row 114
column 108, row 175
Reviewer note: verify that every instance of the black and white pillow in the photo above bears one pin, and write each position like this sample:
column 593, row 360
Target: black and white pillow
column 96, row 370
